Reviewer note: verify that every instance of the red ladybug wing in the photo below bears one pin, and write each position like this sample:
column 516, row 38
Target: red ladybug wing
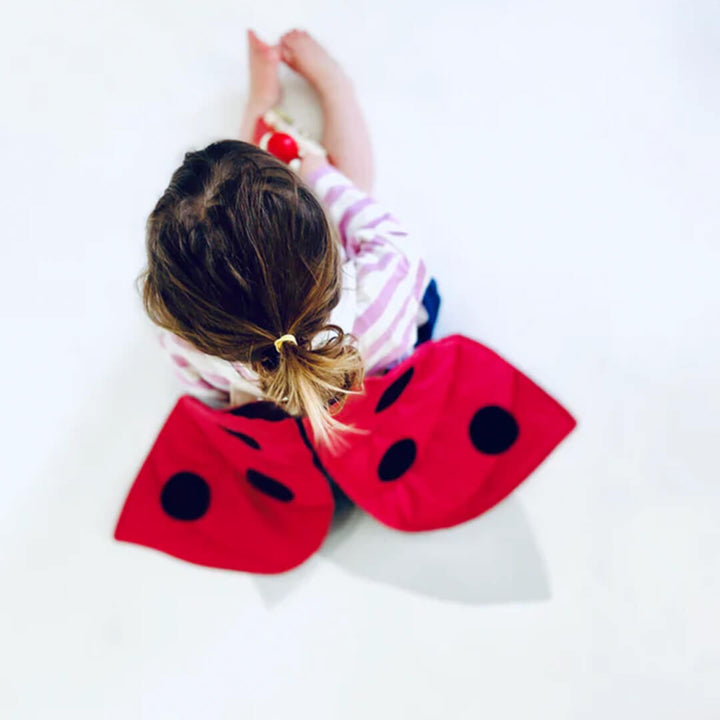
column 542, row 424
column 434, row 390
column 234, row 489
column 452, row 431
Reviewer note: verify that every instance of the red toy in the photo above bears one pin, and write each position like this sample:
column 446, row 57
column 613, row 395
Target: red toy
column 451, row 432
column 278, row 134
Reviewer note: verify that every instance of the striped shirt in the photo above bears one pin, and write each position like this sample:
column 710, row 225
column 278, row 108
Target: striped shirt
column 383, row 283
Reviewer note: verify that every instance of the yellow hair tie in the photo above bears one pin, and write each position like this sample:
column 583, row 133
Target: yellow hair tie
column 285, row 338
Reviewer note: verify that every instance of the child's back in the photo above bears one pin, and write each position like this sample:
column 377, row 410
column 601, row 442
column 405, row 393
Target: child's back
column 262, row 293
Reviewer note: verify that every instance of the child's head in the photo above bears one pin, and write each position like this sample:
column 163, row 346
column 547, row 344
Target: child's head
column 240, row 252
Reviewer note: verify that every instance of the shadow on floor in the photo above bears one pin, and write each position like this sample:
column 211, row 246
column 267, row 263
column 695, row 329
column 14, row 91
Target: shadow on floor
column 492, row 559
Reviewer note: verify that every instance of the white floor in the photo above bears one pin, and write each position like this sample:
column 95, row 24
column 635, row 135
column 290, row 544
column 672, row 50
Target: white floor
column 560, row 164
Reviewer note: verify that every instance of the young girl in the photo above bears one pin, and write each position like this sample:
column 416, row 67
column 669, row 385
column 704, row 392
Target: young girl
column 283, row 286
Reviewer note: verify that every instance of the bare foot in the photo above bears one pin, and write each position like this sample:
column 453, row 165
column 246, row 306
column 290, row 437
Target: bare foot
column 345, row 134
column 310, row 59
column 265, row 92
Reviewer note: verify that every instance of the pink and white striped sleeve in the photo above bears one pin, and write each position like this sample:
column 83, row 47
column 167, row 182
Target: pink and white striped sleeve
column 391, row 277
column 188, row 373
column 217, row 382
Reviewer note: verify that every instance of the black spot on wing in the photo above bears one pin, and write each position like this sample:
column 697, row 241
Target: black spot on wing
column 493, row 430
column 250, row 441
column 270, row 486
column 397, row 460
column 260, row 411
column 393, row 392
column 185, row 496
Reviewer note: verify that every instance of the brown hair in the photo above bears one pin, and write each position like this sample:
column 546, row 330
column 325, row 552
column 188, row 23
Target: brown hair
column 239, row 253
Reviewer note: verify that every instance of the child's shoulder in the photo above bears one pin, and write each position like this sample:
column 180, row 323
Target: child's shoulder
column 222, row 374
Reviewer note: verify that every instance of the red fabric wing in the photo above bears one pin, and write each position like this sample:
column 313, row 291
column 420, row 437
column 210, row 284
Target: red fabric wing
column 234, row 489
column 452, row 431
column 448, row 434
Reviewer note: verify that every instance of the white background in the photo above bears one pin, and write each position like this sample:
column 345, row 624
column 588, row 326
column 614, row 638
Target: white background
column 559, row 164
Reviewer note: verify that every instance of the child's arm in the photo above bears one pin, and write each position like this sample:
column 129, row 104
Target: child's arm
column 212, row 380
column 391, row 277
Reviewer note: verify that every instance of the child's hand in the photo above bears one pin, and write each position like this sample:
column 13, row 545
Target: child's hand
column 310, row 163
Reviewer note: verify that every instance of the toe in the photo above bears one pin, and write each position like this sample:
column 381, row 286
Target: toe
column 288, row 57
column 258, row 45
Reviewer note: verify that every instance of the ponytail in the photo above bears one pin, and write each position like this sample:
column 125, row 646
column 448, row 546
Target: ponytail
column 313, row 381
